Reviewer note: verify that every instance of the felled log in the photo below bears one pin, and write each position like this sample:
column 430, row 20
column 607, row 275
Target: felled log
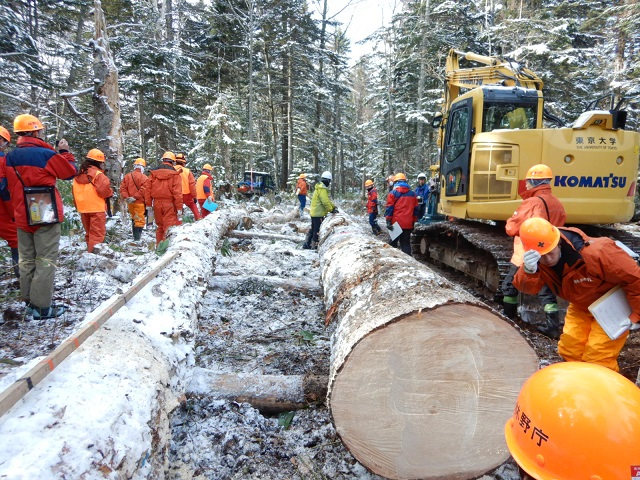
column 423, row 377
column 227, row 282
column 267, row 393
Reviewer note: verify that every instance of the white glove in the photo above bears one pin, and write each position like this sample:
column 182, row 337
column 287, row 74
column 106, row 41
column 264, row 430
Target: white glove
column 531, row 258
column 179, row 213
column 131, row 199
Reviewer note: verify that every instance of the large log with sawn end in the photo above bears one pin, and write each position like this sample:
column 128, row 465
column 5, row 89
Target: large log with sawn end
column 423, row 376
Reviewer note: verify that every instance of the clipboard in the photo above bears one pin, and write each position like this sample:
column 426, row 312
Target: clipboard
column 612, row 312
column 395, row 233
column 209, row 205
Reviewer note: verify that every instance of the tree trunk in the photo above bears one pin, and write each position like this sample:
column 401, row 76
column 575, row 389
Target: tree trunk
column 106, row 102
column 423, row 377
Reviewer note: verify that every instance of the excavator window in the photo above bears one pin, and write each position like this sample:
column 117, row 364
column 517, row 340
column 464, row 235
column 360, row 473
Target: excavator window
column 508, row 116
column 458, row 134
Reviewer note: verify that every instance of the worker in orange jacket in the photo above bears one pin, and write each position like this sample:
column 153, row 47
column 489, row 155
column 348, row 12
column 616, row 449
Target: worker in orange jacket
column 164, row 193
column 91, row 189
column 204, row 188
column 132, row 192
column 301, row 191
column 537, row 201
column 581, row 270
column 8, row 228
column 189, row 196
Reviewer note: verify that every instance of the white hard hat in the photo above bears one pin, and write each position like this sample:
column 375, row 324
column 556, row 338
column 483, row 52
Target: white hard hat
column 326, row 175
column 422, row 175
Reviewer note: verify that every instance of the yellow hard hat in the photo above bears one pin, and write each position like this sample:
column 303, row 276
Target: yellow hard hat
column 4, row 133
column 207, row 167
column 169, row 156
column 140, row 161
column 95, row 154
column 181, row 158
column 433, row 168
column 302, row 175
column 368, row 183
column 538, row 234
column 576, row 420
column 26, row 123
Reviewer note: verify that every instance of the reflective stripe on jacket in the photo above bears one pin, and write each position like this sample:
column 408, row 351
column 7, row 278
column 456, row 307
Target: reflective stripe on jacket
column 90, row 189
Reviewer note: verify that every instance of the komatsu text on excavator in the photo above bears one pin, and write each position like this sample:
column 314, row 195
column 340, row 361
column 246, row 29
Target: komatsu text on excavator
column 490, row 133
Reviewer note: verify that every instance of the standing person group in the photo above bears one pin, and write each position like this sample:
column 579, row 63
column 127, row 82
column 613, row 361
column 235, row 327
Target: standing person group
column 537, row 201
column 31, row 171
column 321, row 205
column 91, row 192
column 301, row 192
column 132, row 191
column 402, row 207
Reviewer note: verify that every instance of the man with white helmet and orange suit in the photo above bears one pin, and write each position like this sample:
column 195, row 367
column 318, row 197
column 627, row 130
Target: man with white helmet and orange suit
column 132, row 191
column 35, row 163
column 537, row 201
column 8, row 229
column 579, row 269
column 204, row 188
column 164, row 193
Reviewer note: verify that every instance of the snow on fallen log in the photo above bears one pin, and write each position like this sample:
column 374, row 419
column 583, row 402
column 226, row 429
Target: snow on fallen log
column 103, row 412
column 422, row 377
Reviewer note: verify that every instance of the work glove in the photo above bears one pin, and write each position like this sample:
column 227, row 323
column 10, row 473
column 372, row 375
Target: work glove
column 531, row 258
column 389, row 225
column 179, row 213
column 131, row 199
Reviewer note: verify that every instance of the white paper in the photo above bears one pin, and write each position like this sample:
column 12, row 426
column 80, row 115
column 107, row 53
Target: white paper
column 612, row 312
column 397, row 230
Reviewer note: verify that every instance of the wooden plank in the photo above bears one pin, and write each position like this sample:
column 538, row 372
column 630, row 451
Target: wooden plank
column 35, row 375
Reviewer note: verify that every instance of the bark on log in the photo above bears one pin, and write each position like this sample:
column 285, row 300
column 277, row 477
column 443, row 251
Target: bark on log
column 228, row 282
column 264, row 236
column 423, row 377
column 267, row 393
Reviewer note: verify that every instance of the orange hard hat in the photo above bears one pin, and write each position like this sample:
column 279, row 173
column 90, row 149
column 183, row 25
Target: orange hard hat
column 302, row 175
column 140, row 161
column 400, row 176
column 368, row 183
column 207, row 167
column 576, row 420
column 538, row 234
column 169, row 156
column 180, row 157
column 95, row 154
column 26, row 123
column 539, row 172
column 4, row 133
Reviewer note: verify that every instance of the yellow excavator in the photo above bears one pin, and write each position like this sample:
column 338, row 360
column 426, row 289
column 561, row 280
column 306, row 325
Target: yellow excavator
column 490, row 133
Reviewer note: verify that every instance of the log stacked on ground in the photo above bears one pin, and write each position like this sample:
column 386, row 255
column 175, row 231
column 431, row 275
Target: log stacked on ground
column 423, row 376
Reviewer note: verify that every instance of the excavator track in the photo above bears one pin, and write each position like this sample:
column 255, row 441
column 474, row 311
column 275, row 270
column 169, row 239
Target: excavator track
column 482, row 251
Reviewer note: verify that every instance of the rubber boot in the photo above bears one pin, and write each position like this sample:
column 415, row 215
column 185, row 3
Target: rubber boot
column 510, row 306
column 551, row 326
column 137, row 233
column 15, row 260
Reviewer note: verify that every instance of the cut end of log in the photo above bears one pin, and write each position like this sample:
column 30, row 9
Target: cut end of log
column 428, row 396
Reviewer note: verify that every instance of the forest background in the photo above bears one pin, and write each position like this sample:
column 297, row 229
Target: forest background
column 267, row 85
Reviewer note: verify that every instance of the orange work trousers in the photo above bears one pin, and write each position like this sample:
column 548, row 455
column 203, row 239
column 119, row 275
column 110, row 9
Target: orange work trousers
column 204, row 211
column 136, row 210
column 165, row 216
column 584, row 340
column 188, row 201
column 95, row 228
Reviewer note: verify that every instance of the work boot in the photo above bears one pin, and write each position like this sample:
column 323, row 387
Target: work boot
column 137, row 233
column 510, row 307
column 41, row 313
column 306, row 246
column 551, row 326
column 15, row 260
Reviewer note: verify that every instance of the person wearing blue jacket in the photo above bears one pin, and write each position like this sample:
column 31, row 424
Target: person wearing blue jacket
column 402, row 207
column 422, row 192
